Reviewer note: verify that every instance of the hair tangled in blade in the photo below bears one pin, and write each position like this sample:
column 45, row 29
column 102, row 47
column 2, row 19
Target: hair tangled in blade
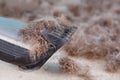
column 32, row 35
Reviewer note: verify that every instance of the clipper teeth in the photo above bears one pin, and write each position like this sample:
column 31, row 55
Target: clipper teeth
column 65, row 32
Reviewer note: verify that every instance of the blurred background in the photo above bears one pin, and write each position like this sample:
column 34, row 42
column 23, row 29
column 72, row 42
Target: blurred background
column 74, row 10
column 98, row 32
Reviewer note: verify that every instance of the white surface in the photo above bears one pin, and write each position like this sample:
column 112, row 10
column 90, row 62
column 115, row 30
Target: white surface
column 50, row 71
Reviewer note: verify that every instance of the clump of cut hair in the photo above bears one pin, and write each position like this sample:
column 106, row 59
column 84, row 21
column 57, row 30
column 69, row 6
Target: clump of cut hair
column 113, row 63
column 68, row 66
column 86, row 76
column 111, row 66
column 96, row 40
column 59, row 13
column 32, row 35
column 74, row 10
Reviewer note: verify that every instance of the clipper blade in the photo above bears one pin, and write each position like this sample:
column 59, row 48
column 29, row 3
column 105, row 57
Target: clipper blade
column 12, row 50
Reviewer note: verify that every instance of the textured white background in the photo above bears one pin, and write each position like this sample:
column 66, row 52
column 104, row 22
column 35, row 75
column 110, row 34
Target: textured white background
column 50, row 71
